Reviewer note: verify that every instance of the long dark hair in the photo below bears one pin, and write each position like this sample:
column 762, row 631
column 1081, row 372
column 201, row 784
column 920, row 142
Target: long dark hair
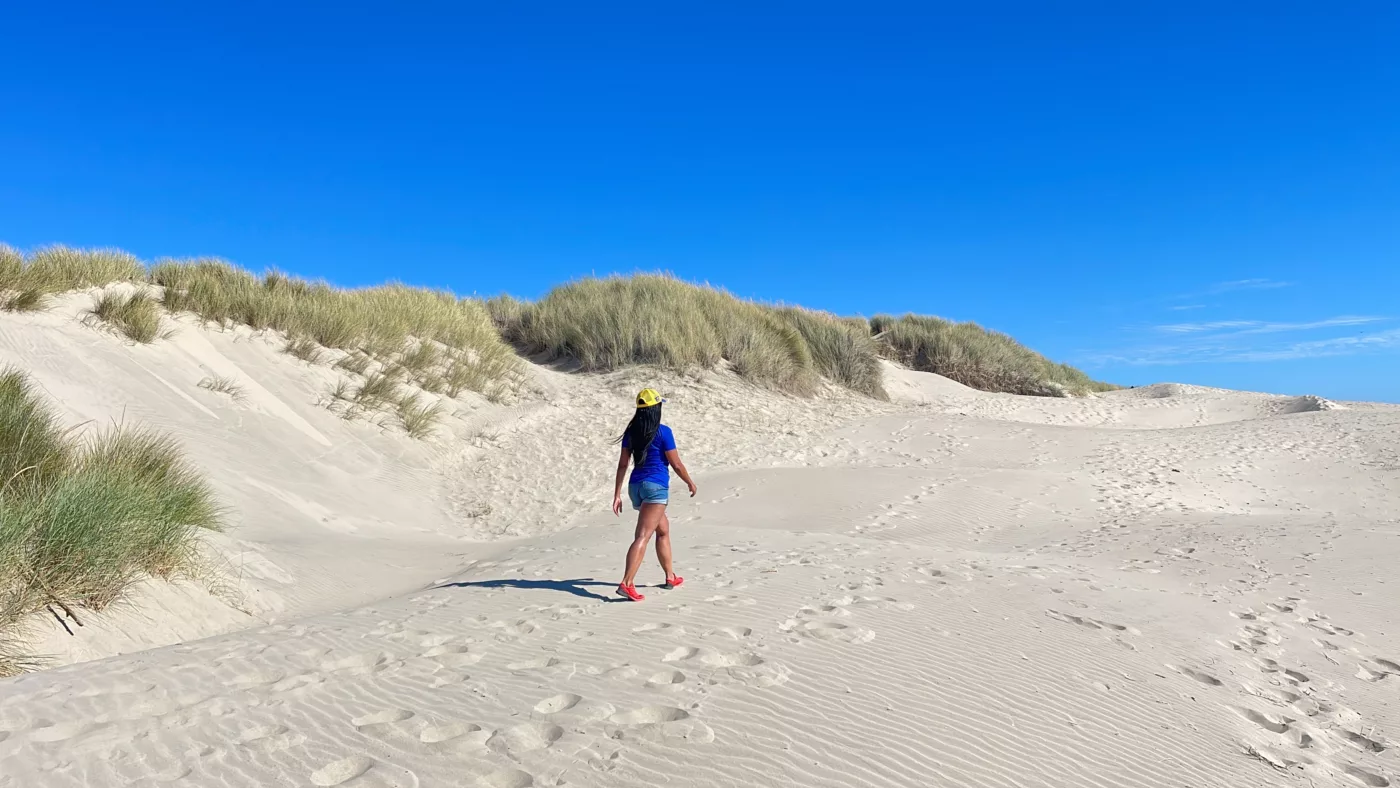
column 641, row 431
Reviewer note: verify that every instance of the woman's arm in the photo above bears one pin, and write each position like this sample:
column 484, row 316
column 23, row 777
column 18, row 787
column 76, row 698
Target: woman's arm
column 621, row 474
column 674, row 457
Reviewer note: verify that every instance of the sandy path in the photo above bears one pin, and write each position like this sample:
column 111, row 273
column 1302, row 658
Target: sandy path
column 1161, row 587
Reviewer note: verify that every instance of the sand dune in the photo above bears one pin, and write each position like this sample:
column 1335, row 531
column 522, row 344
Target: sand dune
column 1163, row 586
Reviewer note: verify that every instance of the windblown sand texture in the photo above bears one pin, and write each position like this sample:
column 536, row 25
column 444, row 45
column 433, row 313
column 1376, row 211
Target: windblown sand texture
column 1165, row 586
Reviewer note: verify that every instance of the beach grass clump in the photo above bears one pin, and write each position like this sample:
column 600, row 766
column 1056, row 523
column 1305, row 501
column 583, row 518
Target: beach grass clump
column 58, row 269
column 841, row 348
column 304, row 348
column 610, row 323
column 17, row 293
column 976, row 357
column 34, row 448
column 412, row 326
column 81, row 520
column 419, row 419
column 378, row 389
column 133, row 315
column 508, row 313
column 223, row 385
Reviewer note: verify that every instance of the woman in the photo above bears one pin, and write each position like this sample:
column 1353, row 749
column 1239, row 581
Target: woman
column 651, row 448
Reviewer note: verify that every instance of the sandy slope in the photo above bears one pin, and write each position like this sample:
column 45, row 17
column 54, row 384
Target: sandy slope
column 1165, row 586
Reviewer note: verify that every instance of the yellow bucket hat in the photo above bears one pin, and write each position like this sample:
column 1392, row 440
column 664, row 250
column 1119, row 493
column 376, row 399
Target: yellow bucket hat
column 647, row 398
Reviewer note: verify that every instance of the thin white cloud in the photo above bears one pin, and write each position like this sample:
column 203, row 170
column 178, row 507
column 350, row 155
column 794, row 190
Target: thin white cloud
column 1264, row 327
column 1252, row 341
column 1221, row 288
column 1337, row 346
column 1246, row 284
column 1185, row 307
column 1218, row 325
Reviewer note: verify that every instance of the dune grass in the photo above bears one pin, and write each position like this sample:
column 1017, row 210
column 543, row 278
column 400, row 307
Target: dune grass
column 444, row 344
column 57, row 269
column 133, row 315
column 419, row 419
column 16, row 293
column 620, row 321
column 615, row 322
column 27, row 283
column 427, row 330
column 976, row 357
column 223, row 385
column 841, row 349
column 304, row 348
column 81, row 520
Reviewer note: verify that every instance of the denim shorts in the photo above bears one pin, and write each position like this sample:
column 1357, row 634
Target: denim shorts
column 648, row 492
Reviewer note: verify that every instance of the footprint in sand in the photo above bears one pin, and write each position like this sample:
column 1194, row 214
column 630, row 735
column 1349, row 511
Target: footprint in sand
column 357, row 665
column 381, row 724
column 341, row 771
column 454, row 738
column 507, row 778
column 827, row 630
column 452, row 655
column 558, row 703
column 649, row 715
column 448, row 678
column 1089, row 623
column 1363, row 742
column 730, row 600
column 526, row 737
column 573, row 709
column 621, row 672
column 254, row 679
column 712, row 658
column 666, row 679
column 296, row 682
column 1267, row 722
column 270, row 738
column 656, row 628
column 510, row 631
column 47, row 732
column 1366, row 776
column 524, row 666
column 659, row 723
column 1204, row 678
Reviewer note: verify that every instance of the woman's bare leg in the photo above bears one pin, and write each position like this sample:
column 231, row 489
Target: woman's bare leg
column 663, row 546
column 648, row 520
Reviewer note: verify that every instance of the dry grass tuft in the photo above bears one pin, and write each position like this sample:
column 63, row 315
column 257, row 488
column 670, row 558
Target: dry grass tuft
column 419, row 420
column 392, row 322
column 304, row 348
column 82, row 520
column 841, row 349
column 223, row 385
column 976, row 357
column 58, row 269
column 620, row 321
column 134, row 315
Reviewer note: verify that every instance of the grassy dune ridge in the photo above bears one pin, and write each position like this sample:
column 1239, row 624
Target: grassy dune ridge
column 82, row 519
column 654, row 319
column 445, row 343
column 977, row 357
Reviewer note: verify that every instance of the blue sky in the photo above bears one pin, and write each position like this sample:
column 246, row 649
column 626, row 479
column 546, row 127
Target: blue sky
column 1153, row 191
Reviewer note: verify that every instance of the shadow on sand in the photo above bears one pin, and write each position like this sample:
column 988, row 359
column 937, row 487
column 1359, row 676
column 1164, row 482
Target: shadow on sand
column 577, row 586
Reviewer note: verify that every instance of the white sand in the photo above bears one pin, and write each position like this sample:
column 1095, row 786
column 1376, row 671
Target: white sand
column 1167, row 586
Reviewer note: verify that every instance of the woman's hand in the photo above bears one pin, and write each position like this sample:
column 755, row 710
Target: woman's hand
column 617, row 504
column 693, row 488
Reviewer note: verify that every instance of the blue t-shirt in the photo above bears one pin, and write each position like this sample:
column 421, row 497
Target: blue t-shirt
column 654, row 468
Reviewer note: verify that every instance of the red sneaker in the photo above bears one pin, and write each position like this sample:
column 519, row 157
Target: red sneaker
column 673, row 582
column 630, row 592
